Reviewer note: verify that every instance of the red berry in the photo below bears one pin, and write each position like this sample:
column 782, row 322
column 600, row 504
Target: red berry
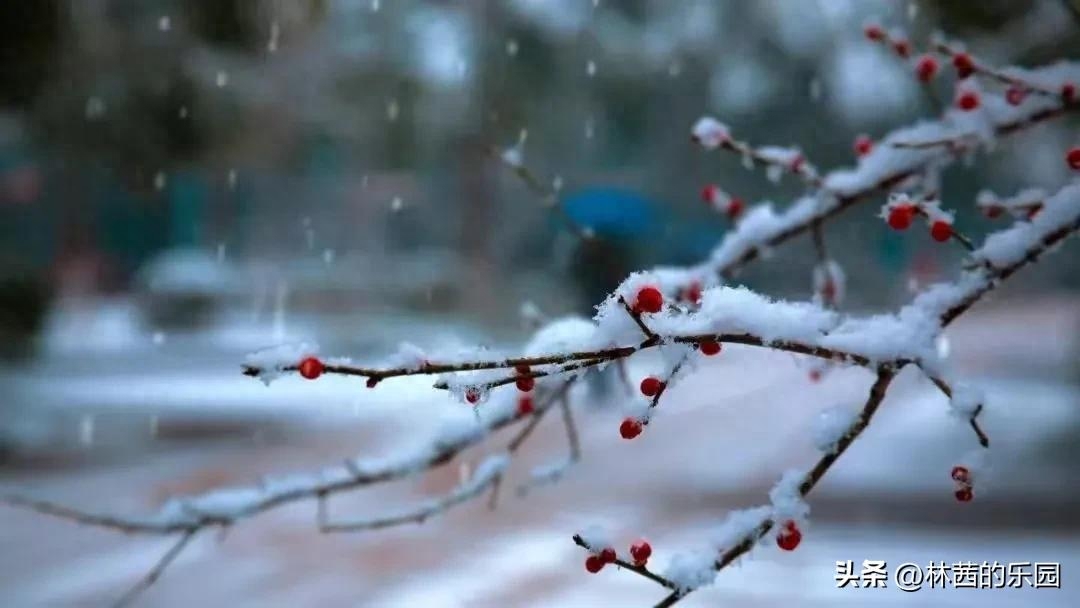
column 900, row 217
column 594, row 564
column 608, row 555
column 815, row 375
column 692, row 293
column 902, row 48
column 863, row 145
column 650, row 386
column 709, row 348
column 649, row 299
column 709, row 192
column 790, row 537
column 993, row 211
column 964, row 494
column 941, row 231
column 926, row 68
column 967, row 101
column 630, row 428
column 1015, row 95
column 874, row 32
column 1073, row 158
column 311, row 368
column 371, row 382
column 961, row 474
column 964, row 65
column 525, row 405
column 640, row 551
column 525, row 383
column 797, row 163
column 735, row 207
column 1068, row 92
column 472, row 395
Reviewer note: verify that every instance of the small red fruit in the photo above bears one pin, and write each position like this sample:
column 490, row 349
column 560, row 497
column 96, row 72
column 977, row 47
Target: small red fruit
column 311, row 368
column 797, row 163
column 472, row 395
column 709, row 348
column 525, row 405
column 961, row 474
column 640, row 551
column 941, row 231
column 630, row 428
column 964, row 65
column 900, row 217
column 863, row 145
column 967, row 101
column 902, row 48
column 692, row 293
column 964, row 494
column 709, row 192
column 1068, row 92
column 993, row 211
column 926, row 68
column 790, row 537
column 815, row 375
column 525, row 383
column 607, row 555
column 828, row 290
column 1015, row 95
column 649, row 299
column 594, row 564
column 371, row 382
column 735, row 207
column 650, row 386
column 1073, row 158
column 874, row 32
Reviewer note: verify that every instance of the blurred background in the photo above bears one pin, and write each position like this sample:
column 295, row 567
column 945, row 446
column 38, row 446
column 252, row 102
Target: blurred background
column 183, row 182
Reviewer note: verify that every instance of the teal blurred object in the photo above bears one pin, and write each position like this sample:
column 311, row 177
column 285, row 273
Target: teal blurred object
column 611, row 212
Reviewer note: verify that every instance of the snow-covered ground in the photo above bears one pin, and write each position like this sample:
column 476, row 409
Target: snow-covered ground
column 719, row 441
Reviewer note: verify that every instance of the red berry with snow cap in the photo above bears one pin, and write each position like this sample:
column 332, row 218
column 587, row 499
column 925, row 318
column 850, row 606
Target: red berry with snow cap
column 901, row 216
column 709, row 348
column 472, row 395
column 640, row 551
column 941, row 231
column 1073, row 158
column 692, row 293
column 964, row 65
column 607, row 555
column 649, row 299
column 311, row 368
column 650, row 386
column 926, row 68
column 961, row 474
column 594, row 564
column 789, row 537
column 630, row 428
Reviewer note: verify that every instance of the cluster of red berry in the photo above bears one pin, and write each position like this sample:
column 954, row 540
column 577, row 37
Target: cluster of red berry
column 733, row 206
column 639, row 552
column 901, row 216
column 962, row 477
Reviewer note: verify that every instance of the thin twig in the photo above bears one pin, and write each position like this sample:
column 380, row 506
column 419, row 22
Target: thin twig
column 155, row 573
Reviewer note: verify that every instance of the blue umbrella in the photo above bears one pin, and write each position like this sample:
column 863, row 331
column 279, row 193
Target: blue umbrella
column 611, row 212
